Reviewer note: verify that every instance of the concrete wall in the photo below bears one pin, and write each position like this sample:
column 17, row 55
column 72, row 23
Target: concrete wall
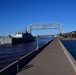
column 10, row 69
column 16, row 66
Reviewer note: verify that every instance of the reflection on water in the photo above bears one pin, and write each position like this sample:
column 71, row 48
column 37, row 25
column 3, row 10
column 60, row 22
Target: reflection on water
column 71, row 47
column 10, row 53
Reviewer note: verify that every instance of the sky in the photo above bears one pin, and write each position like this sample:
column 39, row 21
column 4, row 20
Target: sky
column 17, row 15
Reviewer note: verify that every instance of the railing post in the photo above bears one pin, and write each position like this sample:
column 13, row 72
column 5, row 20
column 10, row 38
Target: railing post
column 18, row 65
column 46, row 40
column 37, row 43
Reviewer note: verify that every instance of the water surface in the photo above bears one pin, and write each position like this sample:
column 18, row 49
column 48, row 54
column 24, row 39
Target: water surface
column 71, row 47
column 10, row 53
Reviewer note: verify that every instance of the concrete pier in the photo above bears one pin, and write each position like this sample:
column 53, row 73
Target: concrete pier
column 51, row 61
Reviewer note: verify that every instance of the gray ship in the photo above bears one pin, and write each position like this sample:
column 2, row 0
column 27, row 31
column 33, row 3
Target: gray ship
column 20, row 37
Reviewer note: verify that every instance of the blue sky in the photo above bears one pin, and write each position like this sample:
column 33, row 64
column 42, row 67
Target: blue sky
column 16, row 15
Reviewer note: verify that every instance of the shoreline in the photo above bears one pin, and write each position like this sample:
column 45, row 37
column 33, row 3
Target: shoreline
column 67, row 38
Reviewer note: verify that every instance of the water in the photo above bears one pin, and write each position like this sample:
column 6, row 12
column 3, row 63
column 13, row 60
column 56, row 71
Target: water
column 10, row 53
column 71, row 47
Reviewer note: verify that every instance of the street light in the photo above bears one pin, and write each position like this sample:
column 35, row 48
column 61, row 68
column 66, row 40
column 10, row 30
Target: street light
column 37, row 43
column 46, row 39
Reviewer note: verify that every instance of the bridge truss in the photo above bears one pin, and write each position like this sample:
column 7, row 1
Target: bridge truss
column 37, row 25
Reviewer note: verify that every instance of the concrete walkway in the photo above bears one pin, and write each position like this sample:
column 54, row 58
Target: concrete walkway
column 51, row 61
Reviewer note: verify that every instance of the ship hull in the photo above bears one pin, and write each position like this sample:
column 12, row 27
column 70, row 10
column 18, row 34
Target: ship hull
column 14, row 40
column 22, row 40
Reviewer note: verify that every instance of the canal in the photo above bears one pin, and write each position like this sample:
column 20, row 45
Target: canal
column 10, row 53
column 70, row 46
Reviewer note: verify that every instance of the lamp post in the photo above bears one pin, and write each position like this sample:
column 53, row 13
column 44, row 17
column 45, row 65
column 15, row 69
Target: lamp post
column 46, row 39
column 37, row 43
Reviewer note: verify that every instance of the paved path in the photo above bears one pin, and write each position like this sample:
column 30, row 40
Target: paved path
column 51, row 61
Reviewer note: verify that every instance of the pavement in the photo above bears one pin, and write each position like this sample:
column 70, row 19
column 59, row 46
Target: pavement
column 51, row 61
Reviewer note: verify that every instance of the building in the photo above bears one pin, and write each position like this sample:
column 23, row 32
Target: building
column 70, row 34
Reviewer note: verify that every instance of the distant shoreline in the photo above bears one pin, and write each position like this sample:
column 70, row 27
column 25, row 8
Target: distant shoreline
column 67, row 38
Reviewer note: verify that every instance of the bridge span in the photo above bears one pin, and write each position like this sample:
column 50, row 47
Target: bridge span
column 53, row 60
column 37, row 25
